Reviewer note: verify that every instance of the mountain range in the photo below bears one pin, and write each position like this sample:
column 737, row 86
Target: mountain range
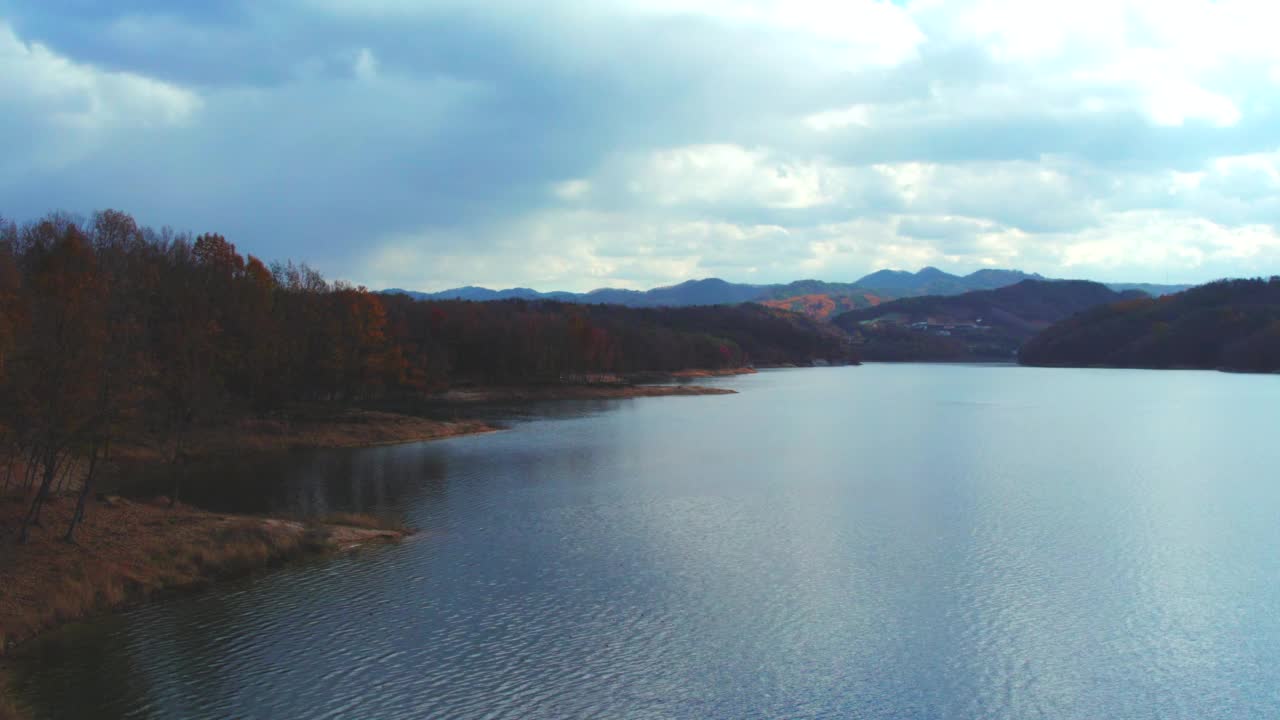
column 977, row 325
column 1229, row 324
column 815, row 298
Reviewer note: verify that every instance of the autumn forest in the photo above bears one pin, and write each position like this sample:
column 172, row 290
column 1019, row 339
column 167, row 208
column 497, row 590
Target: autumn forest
column 109, row 329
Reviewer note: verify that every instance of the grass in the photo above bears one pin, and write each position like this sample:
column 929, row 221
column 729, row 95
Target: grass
column 314, row 429
column 367, row 521
column 9, row 709
column 128, row 551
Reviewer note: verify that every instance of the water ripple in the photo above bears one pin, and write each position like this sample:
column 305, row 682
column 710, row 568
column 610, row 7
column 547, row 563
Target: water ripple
column 879, row 542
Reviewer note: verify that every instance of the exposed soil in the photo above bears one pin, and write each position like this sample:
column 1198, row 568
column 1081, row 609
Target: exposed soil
column 530, row 393
column 127, row 551
column 344, row 429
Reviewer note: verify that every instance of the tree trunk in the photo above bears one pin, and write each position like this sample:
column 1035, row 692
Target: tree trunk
column 177, row 486
column 64, row 468
column 33, row 513
column 85, row 488
column 179, row 469
column 32, row 466
column 59, row 463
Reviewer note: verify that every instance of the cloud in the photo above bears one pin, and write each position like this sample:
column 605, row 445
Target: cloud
column 571, row 144
column 57, row 111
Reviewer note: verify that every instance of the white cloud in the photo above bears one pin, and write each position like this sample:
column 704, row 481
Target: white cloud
column 366, row 65
column 77, row 96
column 638, row 142
column 58, row 110
column 840, row 118
column 1171, row 242
column 582, row 250
column 859, row 32
column 725, row 174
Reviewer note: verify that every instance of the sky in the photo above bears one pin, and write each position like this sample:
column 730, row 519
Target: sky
column 575, row 144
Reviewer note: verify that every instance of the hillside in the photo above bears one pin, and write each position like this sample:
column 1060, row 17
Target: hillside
column 815, row 298
column 537, row 340
column 764, row 336
column 932, row 281
column 1230, row 324
column 708, row 291
column 820, row 306
column 980, row 325
column 153, row 336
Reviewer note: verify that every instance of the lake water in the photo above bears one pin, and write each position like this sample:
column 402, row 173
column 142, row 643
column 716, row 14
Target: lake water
column 885, row 541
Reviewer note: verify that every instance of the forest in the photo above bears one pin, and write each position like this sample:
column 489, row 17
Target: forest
column 109, row 329
column 1229, row 324
column 978, row 325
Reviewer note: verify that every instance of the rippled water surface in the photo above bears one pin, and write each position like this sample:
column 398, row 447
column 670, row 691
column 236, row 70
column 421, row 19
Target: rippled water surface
column 908, row 541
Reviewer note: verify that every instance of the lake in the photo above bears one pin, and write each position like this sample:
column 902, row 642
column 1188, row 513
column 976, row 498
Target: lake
column 884, row 541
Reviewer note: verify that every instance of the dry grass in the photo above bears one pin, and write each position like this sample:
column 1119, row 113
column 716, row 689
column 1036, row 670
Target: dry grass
column 713, row 373
column 574, row 392
column 366, row 521
column 348, row 428
column 127, row 552
column 9, row 709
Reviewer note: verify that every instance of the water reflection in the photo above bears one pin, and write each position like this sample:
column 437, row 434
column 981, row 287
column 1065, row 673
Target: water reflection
column 309, row 483
column 884, row 541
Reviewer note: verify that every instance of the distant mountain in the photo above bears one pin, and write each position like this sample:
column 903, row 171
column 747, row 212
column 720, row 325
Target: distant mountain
column 823, row 306
column 891, row 280
column 479, row 294
column 809, row 287
column 1149, row 288
column 815, row 298
column 1230, row 324
column 991, row 279
column 983, row 324
column 711, row 291
column 932, row 281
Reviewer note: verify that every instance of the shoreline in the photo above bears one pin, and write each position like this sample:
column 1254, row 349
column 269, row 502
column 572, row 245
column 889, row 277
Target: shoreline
column 539, row 393
column 348, row 428
column 1172, row 368
column 129, row 552
column 322, row 428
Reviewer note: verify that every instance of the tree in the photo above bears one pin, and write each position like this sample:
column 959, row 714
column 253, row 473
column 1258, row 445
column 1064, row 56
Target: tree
column 118, row 246
column 59, row 371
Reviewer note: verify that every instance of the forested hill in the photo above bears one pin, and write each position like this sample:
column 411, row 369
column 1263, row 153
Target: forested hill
column 987, row 324
column 106, row 325
column 812, row 297
column 112, row 332
column 536, row 340
column 1230, row 324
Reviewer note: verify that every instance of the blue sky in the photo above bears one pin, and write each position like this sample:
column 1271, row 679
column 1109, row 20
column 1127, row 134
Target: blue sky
column 573, row 144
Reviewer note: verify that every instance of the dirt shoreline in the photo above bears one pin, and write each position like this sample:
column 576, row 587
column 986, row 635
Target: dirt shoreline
column 128, row 552
column 535, row 393
column 317, row 427
column 341, row 429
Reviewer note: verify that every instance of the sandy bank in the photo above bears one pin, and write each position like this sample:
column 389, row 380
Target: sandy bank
column 713, row 373
column 341, row 429
column 365, row 428
column 129, row 551
column 533, row 393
